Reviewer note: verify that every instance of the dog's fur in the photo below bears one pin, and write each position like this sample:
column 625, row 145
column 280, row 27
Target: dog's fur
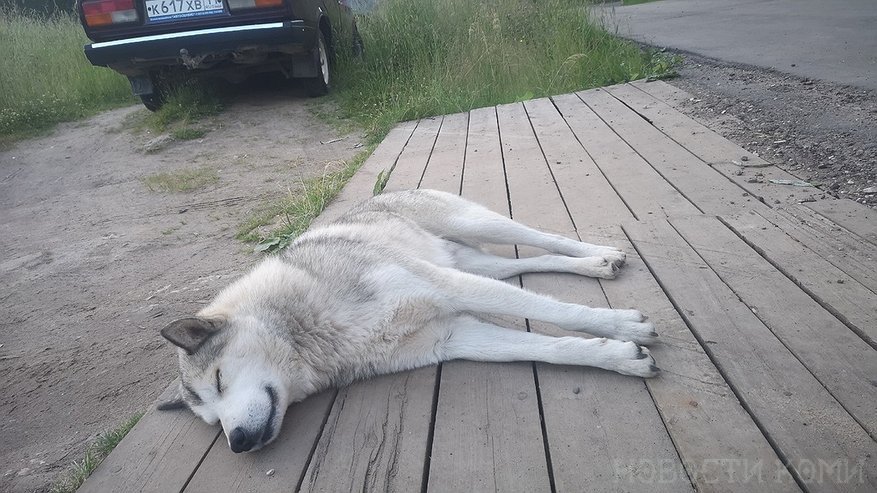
column 396, row 283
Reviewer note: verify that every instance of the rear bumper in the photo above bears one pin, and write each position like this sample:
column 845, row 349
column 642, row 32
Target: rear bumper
column 282, row 37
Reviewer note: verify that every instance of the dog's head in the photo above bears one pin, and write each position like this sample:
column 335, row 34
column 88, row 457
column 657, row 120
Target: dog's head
column 228, row 374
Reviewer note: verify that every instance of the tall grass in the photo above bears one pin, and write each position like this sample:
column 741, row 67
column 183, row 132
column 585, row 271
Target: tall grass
column 45, row 77
column 429, row 57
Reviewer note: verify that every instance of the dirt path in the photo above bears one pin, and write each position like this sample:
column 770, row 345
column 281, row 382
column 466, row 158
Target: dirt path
column 94, row 263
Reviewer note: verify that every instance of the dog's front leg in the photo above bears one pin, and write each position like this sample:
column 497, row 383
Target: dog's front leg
column 471, row 293
column 472, row 339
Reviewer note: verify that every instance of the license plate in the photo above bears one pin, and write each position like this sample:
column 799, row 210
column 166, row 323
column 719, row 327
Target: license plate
column 169, row 10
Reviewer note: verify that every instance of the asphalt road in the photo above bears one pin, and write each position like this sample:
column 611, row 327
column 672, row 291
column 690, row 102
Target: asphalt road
column 831, row 40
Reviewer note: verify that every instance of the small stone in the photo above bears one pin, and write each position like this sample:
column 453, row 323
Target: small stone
column 739, row 172
column 744, row 158
column 576, row 390
column 840, row 281
column 269, row 472
column 869, row 190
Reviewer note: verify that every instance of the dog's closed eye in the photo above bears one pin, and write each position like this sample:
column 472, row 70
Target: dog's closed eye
column 218, row 381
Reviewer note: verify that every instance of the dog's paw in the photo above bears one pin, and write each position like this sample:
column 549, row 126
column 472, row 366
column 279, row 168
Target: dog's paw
column 629, row 358
column 604, row 267
column 632, row 325
column 614, row 255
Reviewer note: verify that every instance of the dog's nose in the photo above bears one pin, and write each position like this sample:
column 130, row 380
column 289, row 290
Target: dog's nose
column 240, row 441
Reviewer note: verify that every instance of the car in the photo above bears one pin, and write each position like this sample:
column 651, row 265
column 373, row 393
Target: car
column 154, row 42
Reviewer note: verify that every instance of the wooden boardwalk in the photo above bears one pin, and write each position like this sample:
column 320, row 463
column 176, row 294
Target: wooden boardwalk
column 763, row 293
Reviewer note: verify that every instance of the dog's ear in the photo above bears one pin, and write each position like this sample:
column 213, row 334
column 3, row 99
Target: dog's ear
column 175, row 403
column 190, row 333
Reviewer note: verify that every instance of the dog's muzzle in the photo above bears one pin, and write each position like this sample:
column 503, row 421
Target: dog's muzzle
column 241, row 440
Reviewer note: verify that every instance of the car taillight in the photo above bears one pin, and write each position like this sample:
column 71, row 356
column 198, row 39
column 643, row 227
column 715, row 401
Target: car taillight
column 105, row 12
column 253, row 4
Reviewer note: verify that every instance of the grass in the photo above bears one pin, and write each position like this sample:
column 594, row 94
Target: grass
column 46, row 78
column 299, row 208
column 188, row 133
column 428, row 57
column 188, row 102
column 94, row 455
column 185, row 180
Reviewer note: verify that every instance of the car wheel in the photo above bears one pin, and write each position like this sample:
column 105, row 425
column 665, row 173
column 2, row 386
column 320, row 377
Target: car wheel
column 319, row 85
column 152, row 101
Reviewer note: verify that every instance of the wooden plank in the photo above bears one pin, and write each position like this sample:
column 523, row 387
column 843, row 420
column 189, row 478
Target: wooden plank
column 159, row 454
column 859, row 219
column 697, row 138
column 843, row 296
column 597, row 422
column 375, row 437
column 377, row 430
column 484, row 173
column 698, row 408
column 572, row 168
column 361, row 185
column 445, row 169
column 711, row 192
column 842, row 362
column 715, row 437
column 738, row 165
column 805, row 423
column 412, row 161
column 642, row 189
column 667, row 93
column 846, row 251
column 287, row 456
column 487, row 432
column 487, row 429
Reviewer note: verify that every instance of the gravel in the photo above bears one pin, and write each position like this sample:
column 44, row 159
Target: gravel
column 822, row 132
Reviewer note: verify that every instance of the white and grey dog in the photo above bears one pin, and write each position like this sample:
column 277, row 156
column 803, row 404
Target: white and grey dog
column 396, row 283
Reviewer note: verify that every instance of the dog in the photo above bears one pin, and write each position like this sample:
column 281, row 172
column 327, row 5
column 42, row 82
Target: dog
column 396, row 283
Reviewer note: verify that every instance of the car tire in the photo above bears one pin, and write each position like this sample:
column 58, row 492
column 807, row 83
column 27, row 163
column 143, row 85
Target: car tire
column 153, row 102
column 319, row 85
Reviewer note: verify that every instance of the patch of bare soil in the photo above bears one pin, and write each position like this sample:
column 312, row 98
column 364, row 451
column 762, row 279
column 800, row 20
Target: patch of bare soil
column 94, row 263
column 822, row 132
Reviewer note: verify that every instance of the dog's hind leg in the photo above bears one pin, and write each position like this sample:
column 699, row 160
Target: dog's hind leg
column 473, row 260
column 453, row 217
column 472, row 339
column 475, row 225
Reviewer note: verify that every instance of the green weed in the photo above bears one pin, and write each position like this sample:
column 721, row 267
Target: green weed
column 185, row 103
column 188, row 133
column 45, row 76
column 94, row 455
column 184, row 180
column 298, row 209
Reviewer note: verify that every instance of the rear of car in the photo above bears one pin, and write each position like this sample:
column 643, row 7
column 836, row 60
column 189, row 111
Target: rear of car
column 154, row 40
